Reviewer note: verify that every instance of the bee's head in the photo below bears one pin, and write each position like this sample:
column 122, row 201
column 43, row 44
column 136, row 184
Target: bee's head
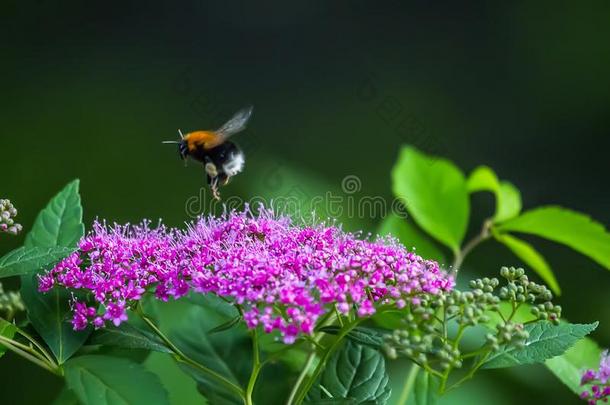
column 183, row 149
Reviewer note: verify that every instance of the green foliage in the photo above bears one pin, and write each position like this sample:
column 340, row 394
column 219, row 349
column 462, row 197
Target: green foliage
column 570, row 228
column 66, row 397
column 23, row 260
column 432, row 331
column 100, row 380
column 408, row 234
column 508, row 198
column 568, row 367
column 360, row 335
column 531, row 257
column 58, row 225
column 355, row 372
column 7, row 330
column 129, row 337
column 545, row 341
column 224, row 353
column 434, row 193
column 426, row 389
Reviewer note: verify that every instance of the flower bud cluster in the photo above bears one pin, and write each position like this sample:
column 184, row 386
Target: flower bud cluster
column 425, row 339
column 10, row 303
column 7, row 218
column 520, row 289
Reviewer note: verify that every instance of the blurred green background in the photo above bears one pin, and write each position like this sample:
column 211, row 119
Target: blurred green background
column 90, row 89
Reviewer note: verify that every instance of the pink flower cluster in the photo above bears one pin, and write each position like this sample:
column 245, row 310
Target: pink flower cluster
column 599, row 381
column 283, row 276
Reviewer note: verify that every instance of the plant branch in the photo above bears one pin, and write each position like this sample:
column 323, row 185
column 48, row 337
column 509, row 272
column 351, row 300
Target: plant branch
column 30, row 354
column 474, row 242
column 404, row 395
column 39, row 346
column 327, row 319
column 305, row 385
column 256, row 367
column 187, row 360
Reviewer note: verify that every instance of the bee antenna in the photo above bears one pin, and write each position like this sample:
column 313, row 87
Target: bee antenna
column 170, row 142
column 180, row 133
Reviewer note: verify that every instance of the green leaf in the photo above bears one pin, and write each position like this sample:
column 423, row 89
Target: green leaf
column 59, row 224
column 25, row 260
column 225, row 325
column 434, row 193
column 426, row 389
column 508, row 198
column 128, row 337
column 227, row 353
column 353, row 372
column 65, row 397
column 569, row 367
column 50, row 315
column 531, row 257
column 570, row 228
column 410, row 236
column 360, row 335
column 100, row 380
column 7, row 329
column 545, row 341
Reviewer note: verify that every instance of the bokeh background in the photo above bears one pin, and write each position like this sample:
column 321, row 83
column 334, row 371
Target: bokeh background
column 89, row 90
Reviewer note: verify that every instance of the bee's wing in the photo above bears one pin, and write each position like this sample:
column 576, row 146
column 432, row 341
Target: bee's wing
column 236, row 124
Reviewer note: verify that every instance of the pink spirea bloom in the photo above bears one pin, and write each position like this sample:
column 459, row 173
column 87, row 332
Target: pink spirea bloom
column 283, row 276
column 599, row 381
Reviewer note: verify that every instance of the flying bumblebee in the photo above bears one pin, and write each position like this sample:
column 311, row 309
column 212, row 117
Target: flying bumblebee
column 221, row 159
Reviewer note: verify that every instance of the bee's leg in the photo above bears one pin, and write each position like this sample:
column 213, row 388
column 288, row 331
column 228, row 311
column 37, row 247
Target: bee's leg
column 223, row 179
column 210, row 169
column 212, row 177
column 214, row 188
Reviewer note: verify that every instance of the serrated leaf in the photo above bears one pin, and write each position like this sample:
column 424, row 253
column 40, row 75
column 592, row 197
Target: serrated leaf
column 128, row 337
column 531, row 257
column 545, row 341
column 434, row 193
column 25, row 260
column 360, row 335
column 569, row 367
column 354, row 372
column 426, row 389
column 508, row 198
column 59, row 224
column 101, row 380
column 7, row 329
column 410, row 236
column 567, row 227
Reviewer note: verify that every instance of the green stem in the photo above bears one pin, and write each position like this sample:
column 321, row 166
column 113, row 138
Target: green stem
column 327, row 319
column 39, row 346
column 460, row 255
column 29, row 354
column 187, row 360
column 304, row 386
column 404, row 395
column 472, row 371
column 256, row 368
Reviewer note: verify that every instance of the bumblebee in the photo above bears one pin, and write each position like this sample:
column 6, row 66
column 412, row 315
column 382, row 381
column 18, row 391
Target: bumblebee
column 221, row 159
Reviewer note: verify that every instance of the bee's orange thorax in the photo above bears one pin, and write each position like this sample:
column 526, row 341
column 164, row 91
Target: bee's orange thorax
column 205, row 139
